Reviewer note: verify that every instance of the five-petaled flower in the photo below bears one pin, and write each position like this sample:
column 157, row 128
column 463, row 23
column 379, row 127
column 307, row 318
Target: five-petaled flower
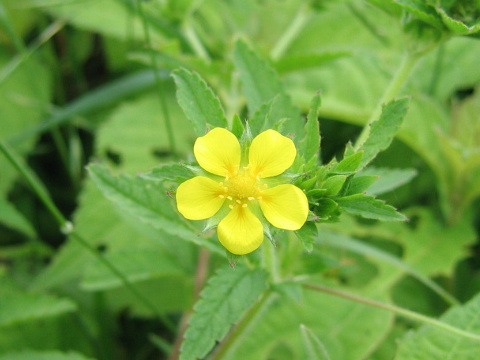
column 241, row 185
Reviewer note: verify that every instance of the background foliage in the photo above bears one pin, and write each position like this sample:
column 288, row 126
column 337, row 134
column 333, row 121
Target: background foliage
column 95, row 262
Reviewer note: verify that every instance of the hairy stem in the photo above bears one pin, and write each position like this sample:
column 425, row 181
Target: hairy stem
column 293, row 30
column 398, row 81
column 232, row 341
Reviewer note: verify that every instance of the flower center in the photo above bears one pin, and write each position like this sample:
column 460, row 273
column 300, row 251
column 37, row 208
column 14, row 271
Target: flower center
column 242, row 186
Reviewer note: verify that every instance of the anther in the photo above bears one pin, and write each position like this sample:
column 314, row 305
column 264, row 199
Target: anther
column 251, row 198
column 244, row 205
column 221, row 196
column 238, row 201
column 259, row 198
column 230, row 206
column 229, row 198
column 225, row 189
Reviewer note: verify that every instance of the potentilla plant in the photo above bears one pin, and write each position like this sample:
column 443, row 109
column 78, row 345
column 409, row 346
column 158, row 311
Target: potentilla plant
column 251, row 179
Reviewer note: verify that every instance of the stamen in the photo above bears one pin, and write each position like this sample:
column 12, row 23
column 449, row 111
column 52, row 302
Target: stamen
column 230, row 206
column 229, row 198
column 251, row 198
column 259, row 198
column 238, row 201
column 244, row 205
column 221, row 196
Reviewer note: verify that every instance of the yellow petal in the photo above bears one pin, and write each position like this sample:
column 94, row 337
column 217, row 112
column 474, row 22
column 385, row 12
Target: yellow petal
column 285, row 206
column 218, row 152
column 199, row 198
column 271, row 154
column 240, row 231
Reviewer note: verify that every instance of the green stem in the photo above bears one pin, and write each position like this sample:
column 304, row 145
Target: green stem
column 195, row 43
column 153, row 59
column 67, row 227
column 395, row 309
column 293, row 30
column 398, row 81
column 244, row 327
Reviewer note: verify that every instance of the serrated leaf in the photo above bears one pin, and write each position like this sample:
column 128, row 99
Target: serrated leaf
column 260, row 118
column 349, row 164
column 43, row 355
column 311, row 142
column 136, row 264
column 334, row 184
column 260, row 82
column 16, row 307
column 176, row 173
column 146, row 201
column 369, row 208
column 388, row 179
column 314, row 347
column 358, row 184
column 228, row 294
column 198, row 101
column 455, row 26
column 422, row 10
column 384, row 129
column 430, row 342
column 262, row 85
column 308, row 235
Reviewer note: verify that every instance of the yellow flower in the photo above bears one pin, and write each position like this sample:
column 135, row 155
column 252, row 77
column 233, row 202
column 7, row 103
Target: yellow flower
column 243, row 188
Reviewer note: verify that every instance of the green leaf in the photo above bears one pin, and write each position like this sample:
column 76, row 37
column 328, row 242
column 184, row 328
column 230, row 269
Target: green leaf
column 228, row 294
column 16, row 307
column 12, row 218
column 334, row 184
column 301, row 62
column 455, row 26
column 369, row 207
column 430, row 342
column 260, row 82
column 308, row 235
column 237, row 127
column 311, row 142
column 388, row 179
column 43, row 355
column 146, row 201
column 358, row 184
column 422, row 10
column 357, row 246
column 349, row 163
column 136, row 264
column 260, row 119
column 175, row 173
column 198, row 101
column 314, row 347
column 384, row 129
column 290, row 289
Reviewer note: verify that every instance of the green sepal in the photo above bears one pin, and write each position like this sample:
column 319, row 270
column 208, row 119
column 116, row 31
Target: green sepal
column 358, row 184
column 232, row 258
column 307, row 234
column 237, row 127
column 334, row 184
